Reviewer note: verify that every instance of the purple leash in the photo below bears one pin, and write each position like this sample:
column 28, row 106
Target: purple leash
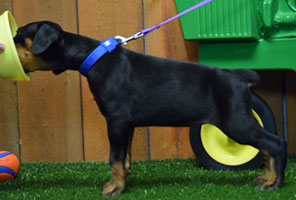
column 147, row 31
column 110, row 44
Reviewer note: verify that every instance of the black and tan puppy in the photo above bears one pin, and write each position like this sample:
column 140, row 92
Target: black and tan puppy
column 133, row 89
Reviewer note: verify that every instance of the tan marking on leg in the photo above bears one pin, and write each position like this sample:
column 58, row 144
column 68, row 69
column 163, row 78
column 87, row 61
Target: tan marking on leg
column 272, row 176
column 117, row 184
column 268, row 179
column 128, row 161
column 266, row 174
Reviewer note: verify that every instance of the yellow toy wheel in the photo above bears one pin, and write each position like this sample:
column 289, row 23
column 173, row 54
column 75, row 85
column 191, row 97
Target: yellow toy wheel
column 225, row 150
column 215, row 150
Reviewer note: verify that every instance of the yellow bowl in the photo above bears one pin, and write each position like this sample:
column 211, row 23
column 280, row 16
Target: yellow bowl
column 10, row 64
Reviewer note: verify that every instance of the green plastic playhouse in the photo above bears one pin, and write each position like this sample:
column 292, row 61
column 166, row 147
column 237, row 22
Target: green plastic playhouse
column 253, row 34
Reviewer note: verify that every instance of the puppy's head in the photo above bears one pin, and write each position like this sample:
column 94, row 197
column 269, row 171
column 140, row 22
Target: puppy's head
column 34, row 40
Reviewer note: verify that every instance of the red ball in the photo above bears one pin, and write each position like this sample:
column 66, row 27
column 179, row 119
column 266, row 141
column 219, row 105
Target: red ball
column 9, row 166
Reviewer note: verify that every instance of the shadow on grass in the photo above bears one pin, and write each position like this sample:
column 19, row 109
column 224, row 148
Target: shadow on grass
column 199, row 180
column 67, row 182
column 149, row 175
column 138, row 182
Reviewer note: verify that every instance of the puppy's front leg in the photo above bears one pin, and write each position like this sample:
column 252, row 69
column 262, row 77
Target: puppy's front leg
column 120, row 134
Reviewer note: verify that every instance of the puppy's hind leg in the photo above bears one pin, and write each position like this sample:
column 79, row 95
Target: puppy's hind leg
column 120, row 135
column 274, row 150
column 267, row 168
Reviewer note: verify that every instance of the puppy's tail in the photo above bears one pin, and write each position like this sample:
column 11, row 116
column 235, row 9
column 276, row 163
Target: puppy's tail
column 249, row 76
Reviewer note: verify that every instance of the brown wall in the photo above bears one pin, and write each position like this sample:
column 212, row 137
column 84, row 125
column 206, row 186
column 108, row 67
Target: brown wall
column 54, row 118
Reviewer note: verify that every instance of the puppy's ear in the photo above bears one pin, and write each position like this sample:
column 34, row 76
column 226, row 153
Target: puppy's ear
column 45, row 36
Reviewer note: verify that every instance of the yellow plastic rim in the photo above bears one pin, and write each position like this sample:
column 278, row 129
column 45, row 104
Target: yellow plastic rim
column 10, row 64
column 225, row 150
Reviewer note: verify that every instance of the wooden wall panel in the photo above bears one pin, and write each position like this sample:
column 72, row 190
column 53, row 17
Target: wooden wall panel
column 291, row 101
column 56, row 116
column 102, row 20
column 8, row 106
column 272, row 92
column 168, row 42
column 49, row 105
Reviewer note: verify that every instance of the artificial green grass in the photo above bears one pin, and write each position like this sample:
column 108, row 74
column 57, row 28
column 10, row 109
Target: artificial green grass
column 174, row 179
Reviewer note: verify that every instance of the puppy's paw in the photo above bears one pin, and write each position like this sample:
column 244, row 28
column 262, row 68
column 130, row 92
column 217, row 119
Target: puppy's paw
column 113, row 188
column 260, row 179
column 264, row 187
column 269, row 185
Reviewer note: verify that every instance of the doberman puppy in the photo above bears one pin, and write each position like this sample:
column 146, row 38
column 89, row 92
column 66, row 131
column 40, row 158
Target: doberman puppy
column 132, row 89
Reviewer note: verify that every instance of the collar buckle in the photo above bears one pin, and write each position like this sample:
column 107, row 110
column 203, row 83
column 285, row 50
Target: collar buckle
column 124, row 40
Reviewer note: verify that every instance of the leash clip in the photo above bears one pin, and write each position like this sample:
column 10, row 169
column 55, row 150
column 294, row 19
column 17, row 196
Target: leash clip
column 124, row 40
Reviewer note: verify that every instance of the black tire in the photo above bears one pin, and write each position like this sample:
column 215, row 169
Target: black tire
column 267, row 118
